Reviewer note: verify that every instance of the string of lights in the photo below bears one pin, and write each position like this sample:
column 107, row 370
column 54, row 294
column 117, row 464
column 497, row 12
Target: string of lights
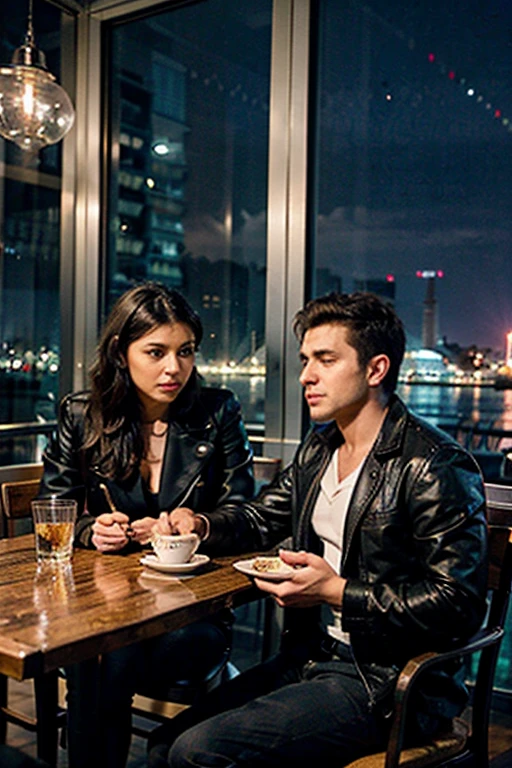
column 495, row 112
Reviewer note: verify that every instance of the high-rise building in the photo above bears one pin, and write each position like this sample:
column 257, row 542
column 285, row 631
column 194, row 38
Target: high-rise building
column 429, row 333
column 384, row 288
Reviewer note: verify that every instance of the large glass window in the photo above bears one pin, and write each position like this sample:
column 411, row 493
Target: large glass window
column 414, row 187
column 188, row 182
column 30, row 217
column 415, row 168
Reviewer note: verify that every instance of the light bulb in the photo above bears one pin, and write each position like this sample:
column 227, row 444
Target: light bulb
column 35, row 110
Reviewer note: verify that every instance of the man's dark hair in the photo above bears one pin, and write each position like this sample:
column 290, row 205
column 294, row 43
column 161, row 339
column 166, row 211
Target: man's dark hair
column 373, row 327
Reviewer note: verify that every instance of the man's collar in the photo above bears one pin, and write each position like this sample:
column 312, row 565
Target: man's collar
column 390, row 436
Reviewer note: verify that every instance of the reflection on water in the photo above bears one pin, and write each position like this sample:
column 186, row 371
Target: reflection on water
column 442, row 405
column 439, row 404
column 447, row 405
column 250, row 390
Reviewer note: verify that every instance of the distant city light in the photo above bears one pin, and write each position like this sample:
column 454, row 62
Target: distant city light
column 508, row 358
column 470, row 91
column 429, row 273
column 161, row 149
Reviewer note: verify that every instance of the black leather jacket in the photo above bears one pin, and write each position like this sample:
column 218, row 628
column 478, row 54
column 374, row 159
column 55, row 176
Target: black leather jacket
column 207, row 462
column 415, row 544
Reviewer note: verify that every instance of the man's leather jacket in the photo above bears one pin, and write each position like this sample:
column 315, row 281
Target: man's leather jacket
column 415, row 543
column 207, row 461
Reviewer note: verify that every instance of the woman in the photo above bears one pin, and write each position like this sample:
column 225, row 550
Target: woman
column 146, row 439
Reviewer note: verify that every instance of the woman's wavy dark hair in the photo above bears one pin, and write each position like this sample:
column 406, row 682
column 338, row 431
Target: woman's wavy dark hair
column 114, row 424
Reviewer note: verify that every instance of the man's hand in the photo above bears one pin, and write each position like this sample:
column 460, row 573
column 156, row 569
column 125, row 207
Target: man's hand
column 109, row 531
column 313, row 583
column 180, row 520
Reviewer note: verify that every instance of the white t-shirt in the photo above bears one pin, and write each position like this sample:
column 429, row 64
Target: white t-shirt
column 329, row 525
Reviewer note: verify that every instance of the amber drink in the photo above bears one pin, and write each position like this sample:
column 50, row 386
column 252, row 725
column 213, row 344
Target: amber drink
column 54, row 527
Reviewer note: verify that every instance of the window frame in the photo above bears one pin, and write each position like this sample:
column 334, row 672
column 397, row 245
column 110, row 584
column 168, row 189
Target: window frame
column 83, row 272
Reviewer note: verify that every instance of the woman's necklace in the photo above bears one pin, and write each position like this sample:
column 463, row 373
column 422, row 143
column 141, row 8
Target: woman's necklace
column 152, row 431
column 159, row 434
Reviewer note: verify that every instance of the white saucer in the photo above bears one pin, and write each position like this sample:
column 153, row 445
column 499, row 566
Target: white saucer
column 153, row 562
column 245, row 566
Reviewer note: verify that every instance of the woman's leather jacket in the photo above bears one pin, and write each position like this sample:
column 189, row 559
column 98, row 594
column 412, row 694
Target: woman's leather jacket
column 207, row 461
column 415, row 543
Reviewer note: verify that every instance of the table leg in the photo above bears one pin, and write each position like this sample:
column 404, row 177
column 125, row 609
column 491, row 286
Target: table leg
column 46, row 695
column 3, row 704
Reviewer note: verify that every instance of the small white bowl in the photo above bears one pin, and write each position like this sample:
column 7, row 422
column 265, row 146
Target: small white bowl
column 175, row 549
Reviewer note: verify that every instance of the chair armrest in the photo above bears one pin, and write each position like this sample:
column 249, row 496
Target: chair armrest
column 410, row 673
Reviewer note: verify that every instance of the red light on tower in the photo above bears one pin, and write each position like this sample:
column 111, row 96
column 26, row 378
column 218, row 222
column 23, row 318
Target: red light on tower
column 390, row 278
column 431, row 58
column 427, row 274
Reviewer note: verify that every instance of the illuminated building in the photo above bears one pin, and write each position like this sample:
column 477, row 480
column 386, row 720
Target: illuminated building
column 429, row 328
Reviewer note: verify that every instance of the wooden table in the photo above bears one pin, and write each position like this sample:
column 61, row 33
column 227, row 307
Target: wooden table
column 98, row 603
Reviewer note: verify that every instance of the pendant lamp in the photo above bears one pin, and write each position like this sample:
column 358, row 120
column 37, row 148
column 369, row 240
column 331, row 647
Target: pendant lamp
column 35, row 110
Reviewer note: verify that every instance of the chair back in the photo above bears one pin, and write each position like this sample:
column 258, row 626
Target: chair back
column 499, row 515
column 453, row 749
column 19, row 484
column 265, row 469
column 16, row 493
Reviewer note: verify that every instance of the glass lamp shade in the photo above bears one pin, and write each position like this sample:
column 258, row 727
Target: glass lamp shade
column 35, row 110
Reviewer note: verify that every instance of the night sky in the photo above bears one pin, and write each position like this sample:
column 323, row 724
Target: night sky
column 413, row 140
column 415, row 157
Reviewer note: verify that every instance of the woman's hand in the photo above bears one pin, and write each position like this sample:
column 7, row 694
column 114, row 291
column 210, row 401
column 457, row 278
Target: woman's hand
column 314, row 582
column 180, row 520
column 162, row 525
column 143, row 530
column 109, row 531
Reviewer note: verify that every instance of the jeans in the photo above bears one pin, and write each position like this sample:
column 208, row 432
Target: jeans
column 100, row 693
column 283, row 712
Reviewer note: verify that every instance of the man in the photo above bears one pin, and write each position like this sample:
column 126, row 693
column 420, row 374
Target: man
column 388, row 521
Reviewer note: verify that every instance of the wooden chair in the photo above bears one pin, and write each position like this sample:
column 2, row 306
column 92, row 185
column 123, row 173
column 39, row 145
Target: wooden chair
column 16, row 498
column 16, row 495
column 265, row 469
column 18, row 509
column 466, row 744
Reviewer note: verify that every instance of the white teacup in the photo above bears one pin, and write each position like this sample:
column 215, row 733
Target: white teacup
column 175, row 549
